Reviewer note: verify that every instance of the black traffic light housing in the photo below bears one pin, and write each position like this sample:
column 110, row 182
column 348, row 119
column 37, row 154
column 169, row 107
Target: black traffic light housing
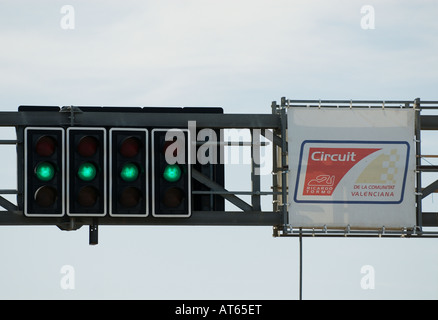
column 171, row 173
column 128, row 172
column 101, row 194
column 44, row 172
column 87, row 171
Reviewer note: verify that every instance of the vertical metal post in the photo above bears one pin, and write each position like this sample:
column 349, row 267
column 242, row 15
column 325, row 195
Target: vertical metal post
column 255, row 169
column 301, row 265
column 284, row 166
column 419, row 190
column 20, row 167
column 274, row 164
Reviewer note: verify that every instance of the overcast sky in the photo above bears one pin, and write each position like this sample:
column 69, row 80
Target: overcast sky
column 240, row 55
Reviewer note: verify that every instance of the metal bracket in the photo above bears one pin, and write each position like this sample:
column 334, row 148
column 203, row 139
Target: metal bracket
column 94, row 228
column 72, row 110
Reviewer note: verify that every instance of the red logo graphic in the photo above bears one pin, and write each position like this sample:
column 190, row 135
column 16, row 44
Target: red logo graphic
column 327, row 166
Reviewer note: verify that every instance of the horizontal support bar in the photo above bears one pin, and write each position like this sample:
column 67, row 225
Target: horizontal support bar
column 429, row 122
column 8, row 191
column 363, row 235
column 198, row 218
column 8, row 141
column 231, row 143
column 261, row 193
column 118, row 119
column 266, row 121
column 430, row 168
column 377, row 103
column 353, row 101
column 430, row 219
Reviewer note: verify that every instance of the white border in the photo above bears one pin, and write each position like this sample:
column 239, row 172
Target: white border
column 105, row 200
column 189, row 174
column 26, row 173
column 111, row 176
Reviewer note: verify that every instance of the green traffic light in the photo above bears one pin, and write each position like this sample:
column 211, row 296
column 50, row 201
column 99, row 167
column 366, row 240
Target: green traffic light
column 45, row 171
column 129, row 172
column 87, row 171
column 172, row 173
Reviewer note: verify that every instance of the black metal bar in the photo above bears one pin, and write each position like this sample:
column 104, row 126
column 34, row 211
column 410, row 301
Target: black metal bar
column 417, row 108
column 255, row 169
column 275, row 148
column 429, row 122
column 301, row 266
column 428, row 168
column 430, row 189
column 284, row 165
column 272, row 137
column 363, row 235
column 8, row 191
column 198, row 218
column 430, row 219
column 44, row 118
column 94, row 229
column 20, row 167
column 248, row 193
column 292, row 101
column 8, row 205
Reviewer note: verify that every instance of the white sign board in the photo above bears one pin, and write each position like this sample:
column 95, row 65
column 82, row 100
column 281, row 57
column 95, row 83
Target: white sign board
column 351, row 167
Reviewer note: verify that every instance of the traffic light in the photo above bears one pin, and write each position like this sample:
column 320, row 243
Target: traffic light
column 128, row 171
column 44, row 172
column 87, row 175
column 171, row 173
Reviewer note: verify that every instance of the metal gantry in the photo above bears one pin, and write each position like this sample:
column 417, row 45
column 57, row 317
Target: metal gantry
column 272, row 126
column 249, row 213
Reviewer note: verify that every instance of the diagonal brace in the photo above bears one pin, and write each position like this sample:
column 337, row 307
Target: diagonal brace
column 217, row 187
column 8, row 205
column 433, row 187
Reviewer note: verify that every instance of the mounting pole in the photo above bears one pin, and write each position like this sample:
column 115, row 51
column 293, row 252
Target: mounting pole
column 301, row 264
column 284, row 165
column 419, row 190
column 94, row 228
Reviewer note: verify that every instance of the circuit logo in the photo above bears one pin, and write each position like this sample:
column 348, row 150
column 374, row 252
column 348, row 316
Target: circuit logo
column 352, row 171
column 327, row 166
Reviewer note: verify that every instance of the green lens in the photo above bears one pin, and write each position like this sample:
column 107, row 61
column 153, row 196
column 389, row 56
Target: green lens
column 87, row 171
column 45, row 171
column 172, row 173
column 129, row 172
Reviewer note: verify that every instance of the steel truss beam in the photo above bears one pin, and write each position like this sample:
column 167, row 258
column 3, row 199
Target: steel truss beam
column 250, row 214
